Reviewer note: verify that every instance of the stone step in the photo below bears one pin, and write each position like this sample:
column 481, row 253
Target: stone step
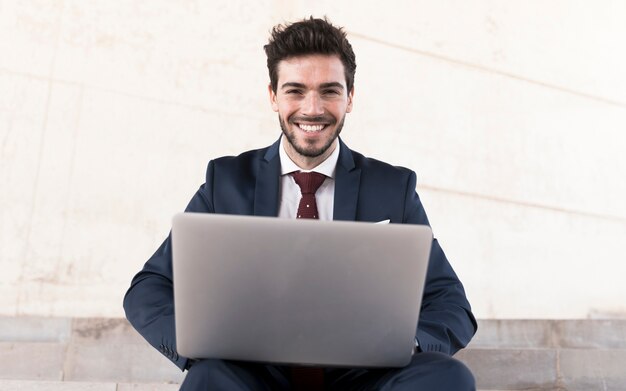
column 571, row 369
column 505, row 354
column 35, row 385
column 91, row 350
column 574, row 334
column 91, row 362
column 586, row 333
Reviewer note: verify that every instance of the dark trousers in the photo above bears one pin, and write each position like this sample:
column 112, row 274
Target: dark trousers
column 426, row 371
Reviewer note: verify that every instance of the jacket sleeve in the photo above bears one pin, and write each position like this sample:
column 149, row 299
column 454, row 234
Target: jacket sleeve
column 446, row 323
column 149, row 302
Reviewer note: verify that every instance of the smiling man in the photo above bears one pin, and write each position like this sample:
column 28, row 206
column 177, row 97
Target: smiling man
column 311, row 66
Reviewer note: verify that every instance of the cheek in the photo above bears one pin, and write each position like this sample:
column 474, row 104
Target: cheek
column 340, row 110
column 287, row 109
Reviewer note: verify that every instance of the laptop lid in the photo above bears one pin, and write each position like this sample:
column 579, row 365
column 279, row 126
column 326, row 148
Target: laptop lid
column 309, row 292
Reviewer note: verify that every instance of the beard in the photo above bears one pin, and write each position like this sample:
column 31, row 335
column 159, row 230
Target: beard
column 309, row 150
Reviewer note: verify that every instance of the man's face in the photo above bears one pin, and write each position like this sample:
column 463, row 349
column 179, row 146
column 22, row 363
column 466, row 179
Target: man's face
column 311, row 100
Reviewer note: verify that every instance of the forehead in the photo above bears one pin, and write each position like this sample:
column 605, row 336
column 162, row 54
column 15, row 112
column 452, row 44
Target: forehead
column 311, row 69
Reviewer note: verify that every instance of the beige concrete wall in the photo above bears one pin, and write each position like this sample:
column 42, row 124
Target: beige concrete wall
column 512, row 113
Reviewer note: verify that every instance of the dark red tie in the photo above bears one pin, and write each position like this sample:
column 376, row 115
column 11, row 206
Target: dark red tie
column 308, row 378
column 309, row 182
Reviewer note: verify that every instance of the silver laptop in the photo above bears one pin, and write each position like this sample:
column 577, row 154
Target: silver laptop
column 305, row 292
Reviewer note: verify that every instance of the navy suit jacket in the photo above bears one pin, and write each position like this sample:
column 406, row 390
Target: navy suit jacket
column 365, row 190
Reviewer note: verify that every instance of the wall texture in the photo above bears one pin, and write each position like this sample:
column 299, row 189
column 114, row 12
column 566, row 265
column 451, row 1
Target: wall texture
column 512, row 113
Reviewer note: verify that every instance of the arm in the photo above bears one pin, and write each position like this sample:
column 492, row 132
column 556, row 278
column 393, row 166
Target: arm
column 149, row 302
column 446, row 323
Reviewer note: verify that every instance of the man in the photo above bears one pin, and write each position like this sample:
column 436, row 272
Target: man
column 311, row 66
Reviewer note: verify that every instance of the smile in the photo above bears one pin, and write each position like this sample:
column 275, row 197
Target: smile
column 311, row 128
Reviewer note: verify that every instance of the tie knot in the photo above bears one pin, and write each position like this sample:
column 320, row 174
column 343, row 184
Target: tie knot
column 309, row 182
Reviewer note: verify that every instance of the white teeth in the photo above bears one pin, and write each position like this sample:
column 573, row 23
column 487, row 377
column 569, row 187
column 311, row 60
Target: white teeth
column 311, row 128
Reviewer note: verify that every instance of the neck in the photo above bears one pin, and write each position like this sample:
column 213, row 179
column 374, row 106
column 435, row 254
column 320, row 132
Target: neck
column 307, row 162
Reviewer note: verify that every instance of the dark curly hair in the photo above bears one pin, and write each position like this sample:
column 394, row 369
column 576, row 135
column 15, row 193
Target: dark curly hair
column 309, row 36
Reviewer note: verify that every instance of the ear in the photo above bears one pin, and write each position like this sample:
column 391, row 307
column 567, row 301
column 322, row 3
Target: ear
column 350, row 96
column 273, row 101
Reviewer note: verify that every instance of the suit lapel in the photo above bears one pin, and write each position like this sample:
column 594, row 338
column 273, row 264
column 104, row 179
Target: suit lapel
column 266, row 191
column 347, row 179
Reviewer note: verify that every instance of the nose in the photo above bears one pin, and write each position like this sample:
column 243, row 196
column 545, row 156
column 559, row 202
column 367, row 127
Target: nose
column 312, row 105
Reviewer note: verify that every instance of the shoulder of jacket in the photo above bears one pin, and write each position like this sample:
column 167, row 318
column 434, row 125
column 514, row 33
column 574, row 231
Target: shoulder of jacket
column 375, row 165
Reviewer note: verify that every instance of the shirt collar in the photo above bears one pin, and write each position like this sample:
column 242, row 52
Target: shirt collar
column 327, row 167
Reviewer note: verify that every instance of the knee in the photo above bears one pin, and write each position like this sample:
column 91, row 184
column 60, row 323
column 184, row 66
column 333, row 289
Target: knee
column 459, row 376
column 442, row 372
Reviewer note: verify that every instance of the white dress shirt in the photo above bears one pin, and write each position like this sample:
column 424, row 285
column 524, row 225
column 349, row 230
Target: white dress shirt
column 290, row 194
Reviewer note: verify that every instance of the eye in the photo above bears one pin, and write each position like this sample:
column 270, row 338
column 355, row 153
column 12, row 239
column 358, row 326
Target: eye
column 293, row 92
column 331, row 92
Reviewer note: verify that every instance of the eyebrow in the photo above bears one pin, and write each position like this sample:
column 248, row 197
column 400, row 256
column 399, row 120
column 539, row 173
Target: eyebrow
column 333, row 84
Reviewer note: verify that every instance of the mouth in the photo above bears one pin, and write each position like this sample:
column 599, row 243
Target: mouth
column 311, row 128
